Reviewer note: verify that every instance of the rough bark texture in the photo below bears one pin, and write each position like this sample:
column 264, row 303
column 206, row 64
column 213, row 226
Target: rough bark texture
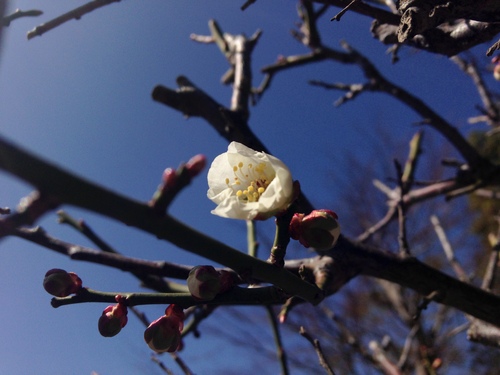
column 443, row 27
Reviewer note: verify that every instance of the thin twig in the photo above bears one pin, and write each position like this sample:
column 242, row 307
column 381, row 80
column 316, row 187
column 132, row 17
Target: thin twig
column 404, row 248
column 82, row 227
column 448, row 250
column 280, row 350
column 161, row 365
column 317, row 347
column 381, row 359
column 407, row 346
column 339, row 15
column 247, row 4
column 491, row 105
column 432, row 118
column 382, row 223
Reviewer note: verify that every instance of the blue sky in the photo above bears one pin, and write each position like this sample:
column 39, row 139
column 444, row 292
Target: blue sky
column 80, row 96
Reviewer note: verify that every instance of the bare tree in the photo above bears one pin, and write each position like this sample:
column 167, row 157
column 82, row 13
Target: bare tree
column 395, row 253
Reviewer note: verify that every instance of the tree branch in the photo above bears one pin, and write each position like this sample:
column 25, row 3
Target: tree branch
column 410, row 272
column 70, row 189
column 20, row 13
column 76, row 14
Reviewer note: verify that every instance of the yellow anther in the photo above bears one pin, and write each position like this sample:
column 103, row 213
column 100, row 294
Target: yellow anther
column 251, row 179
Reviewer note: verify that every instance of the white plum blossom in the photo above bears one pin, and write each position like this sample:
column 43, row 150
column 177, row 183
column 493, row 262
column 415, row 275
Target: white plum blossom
column 249, row 185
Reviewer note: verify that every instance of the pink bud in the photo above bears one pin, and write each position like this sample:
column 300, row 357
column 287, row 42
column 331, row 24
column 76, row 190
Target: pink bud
column 204, row 283
column 319, row 230
column 196, row 164
column 169, row 178
column 164, row 334
column 113, row 318
column 496, row 72
column 60, row 283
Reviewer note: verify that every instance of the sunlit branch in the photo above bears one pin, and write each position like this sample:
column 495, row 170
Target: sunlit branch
column 238, row 50
column 448, row 250
column 18, row 13
column 76, row 14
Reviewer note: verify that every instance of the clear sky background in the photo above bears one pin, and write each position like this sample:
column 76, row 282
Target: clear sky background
column 80, row 96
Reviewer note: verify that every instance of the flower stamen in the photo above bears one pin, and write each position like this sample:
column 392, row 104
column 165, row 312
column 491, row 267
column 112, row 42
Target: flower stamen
column 255, row 180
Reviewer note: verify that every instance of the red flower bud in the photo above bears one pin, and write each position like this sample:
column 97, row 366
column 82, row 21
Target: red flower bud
column 169, row 179
column 496, row 72
column 196, row 164
column 319, row 230
column 60, row 283
column 113, row 318
column 204, row 283
column 164, row 334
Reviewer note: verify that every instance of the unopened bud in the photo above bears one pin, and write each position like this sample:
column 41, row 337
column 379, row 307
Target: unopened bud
column 60, row 283
column 227, row 280
column 196, row 164
column 169, row 178
column 204, row 283
column 164, row 334
column 319, row 230
column 113, row 318
column 496, row 72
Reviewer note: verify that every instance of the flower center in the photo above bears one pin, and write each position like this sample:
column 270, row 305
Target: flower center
column 249, row 182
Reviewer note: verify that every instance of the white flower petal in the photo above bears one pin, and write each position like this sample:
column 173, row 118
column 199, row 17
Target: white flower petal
column 238, row 169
